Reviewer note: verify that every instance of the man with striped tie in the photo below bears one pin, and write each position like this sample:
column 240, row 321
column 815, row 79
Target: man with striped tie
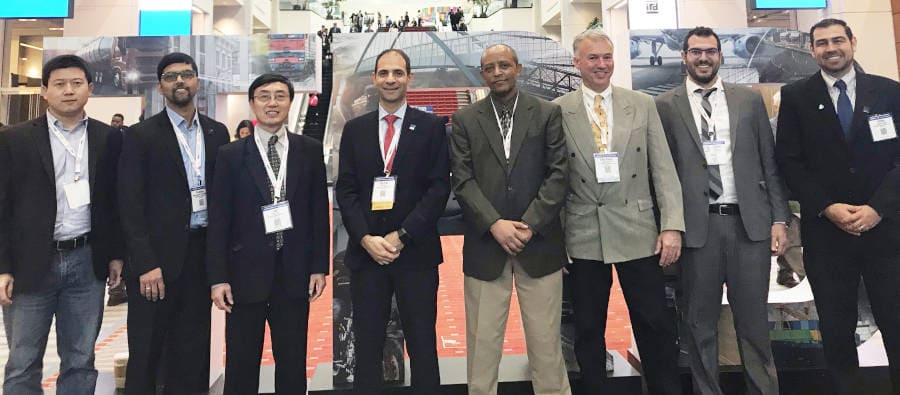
column 734, row 208
column 617, row 156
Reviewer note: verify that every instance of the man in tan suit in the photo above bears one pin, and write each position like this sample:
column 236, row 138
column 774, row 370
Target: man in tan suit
column 508, row 161
column 617, row 151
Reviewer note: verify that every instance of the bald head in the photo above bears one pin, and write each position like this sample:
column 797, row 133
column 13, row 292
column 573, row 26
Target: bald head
column 500, row 49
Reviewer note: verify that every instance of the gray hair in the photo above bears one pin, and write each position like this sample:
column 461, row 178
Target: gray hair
column 591, row 34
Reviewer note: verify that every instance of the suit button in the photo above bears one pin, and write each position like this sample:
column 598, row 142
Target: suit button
column 509, row 189
column 573, row 154
column 638, row 149
column 599, row 204
column 582, row 181
column 852, row 170
column 633, row 175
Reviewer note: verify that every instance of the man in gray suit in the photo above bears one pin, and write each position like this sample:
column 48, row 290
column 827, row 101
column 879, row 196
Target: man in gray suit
column 735, row 212
column 508, row 161
column 617, row 151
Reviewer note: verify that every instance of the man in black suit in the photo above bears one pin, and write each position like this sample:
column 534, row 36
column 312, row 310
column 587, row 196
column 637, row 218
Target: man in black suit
column 394, row 247
column 59, row 236
column 838, row 150
column 264, row 246
column 168, row 161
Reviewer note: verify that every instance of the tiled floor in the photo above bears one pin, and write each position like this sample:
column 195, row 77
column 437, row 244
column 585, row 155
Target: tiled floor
column 450, row 329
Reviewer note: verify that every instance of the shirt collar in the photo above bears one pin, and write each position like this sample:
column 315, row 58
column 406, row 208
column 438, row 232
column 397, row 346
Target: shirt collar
column 849, row 78
column 264, row 135
column 177, row 119
column 693, row 86
column 400, row 113
column 52, row 120
column 590, row 94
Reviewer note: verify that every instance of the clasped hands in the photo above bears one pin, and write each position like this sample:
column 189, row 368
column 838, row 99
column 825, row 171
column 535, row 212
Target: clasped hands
column 383, row 249
column 852, row 219
column 511, row 235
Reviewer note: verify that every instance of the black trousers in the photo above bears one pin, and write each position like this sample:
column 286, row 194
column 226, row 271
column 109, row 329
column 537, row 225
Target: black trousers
column 653, row 324
column 171, row 336
column 835, row 269
column 416, row 291
column 244, row 334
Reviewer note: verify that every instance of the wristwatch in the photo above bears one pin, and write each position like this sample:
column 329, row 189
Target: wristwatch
column 404, row 237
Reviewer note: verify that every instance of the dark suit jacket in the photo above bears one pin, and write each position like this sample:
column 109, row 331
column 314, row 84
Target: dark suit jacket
column 239, row 251
column 759, row 188
column 530, row 187
column 821, row 167
column 422, row 167
column 28, row 200
column 154, row 201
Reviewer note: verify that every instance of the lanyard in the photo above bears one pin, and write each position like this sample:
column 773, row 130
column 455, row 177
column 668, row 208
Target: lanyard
column 507, row 136
column 282, row 170
column 197, row 157
column 388, row 157
column 65, row 143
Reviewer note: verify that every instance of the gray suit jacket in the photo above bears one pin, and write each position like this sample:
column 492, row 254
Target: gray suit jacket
column 530, row 187
column 613, row 222
column 760, row 191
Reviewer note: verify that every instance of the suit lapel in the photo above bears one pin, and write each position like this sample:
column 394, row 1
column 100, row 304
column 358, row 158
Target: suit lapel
column 370, row 138
column 41, row 136
column 683, row 105
column 734, row 103
column 95, row 147
column 406, row 136
column 522, row 124
column 294, row 164
column 488, row 123
column 623, row 118
column 209, row 148
column 580, row 126
column 818, row 92
column 865, row 100
column 170, row 142
column 256, row 168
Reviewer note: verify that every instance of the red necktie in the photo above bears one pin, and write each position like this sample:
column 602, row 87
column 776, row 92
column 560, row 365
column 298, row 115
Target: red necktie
column 388, row 138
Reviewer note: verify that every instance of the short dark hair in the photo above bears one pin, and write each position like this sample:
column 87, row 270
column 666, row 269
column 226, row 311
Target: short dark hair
column 174, row 58
column 829, row 22
column 65, row 62
column 119, row 115
column 701, row 31
column 243, row 124
column 267, row 79
column 396, row 51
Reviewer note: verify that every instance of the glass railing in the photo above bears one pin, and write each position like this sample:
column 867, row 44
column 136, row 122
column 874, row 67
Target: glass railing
column 321, row 8
column 497, row 5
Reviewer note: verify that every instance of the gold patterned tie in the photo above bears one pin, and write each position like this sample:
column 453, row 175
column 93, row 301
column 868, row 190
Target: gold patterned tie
column 601, row 129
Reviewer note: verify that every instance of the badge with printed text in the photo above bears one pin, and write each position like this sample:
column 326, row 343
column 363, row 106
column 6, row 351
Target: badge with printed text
column 882, row 127
column 716, row 152
column 277, row 217
column 78, row 194
column 198, row 199
column 383, row 189
column 606, row 166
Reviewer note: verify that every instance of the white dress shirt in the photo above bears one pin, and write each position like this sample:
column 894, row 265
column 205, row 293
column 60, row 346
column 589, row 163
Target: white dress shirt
column 834, row 92
column 720, row 123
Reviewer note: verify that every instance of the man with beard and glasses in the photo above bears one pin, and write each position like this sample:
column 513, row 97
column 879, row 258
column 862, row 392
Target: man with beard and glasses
column 735, row 212
column 167, row 162
column 509, row 165
column 839, row 153
column 619, row 155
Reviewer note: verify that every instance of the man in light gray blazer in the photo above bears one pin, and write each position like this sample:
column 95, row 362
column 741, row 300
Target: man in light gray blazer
column 735, row 211
column 617, row 153
column 508, row 164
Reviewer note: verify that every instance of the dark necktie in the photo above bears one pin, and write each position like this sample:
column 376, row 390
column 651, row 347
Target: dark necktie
column 505, row 121
column 275, row 162
column 715, row 177
column 844, row 108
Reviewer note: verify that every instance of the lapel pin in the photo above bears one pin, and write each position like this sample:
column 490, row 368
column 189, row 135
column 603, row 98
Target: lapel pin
column 821, row 107
column 412, row 127
column 865, row 109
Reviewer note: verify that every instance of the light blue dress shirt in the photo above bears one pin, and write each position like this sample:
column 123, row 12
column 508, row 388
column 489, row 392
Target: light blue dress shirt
column 189, row 131
column 70, row 222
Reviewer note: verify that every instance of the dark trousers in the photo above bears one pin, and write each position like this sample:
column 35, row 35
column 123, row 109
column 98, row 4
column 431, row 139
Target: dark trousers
column 728, row 257
column 171, row 336
column 653, row 323
column 244, row 333
column 416, row 291
column 834, row 269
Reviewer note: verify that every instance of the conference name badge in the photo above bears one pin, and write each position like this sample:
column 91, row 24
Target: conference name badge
column 78, row 194
column 882, row 127
column 715, row 151
column 606, row 166
column 198, row 199
column 383, row 189
column 277, row 217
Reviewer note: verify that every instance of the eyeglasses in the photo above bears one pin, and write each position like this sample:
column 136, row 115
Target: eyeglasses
column 696, row 52
column 267, row 98
column 172, row 76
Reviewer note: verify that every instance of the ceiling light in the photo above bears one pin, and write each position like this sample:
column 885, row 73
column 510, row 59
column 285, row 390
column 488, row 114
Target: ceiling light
column 31, row 46
column 55, row 28
column 27, row 20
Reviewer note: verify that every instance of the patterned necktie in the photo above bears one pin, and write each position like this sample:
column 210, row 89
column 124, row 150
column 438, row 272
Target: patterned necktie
column 601, row 129
column 844, row 108
column 505, row 121
column 388, row 138
column 275, row 163
column 715, row 177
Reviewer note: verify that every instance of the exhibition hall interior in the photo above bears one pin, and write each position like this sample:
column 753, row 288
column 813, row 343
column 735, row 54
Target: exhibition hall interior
column 331, row 53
